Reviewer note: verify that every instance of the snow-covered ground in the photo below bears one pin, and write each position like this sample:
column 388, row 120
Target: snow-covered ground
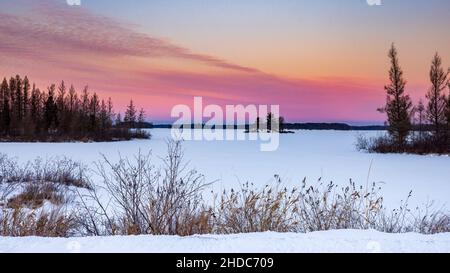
column 330, row 155
column 353, row 241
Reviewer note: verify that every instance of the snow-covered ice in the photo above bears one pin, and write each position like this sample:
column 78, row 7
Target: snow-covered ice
column 330, row 155
column 344, row 241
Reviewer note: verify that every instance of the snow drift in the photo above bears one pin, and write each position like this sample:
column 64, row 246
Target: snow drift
column 343, row 241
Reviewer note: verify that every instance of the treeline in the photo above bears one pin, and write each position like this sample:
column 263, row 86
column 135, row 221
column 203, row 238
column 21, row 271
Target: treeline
column 61, row 113
column 423, row 128
column 332, row 126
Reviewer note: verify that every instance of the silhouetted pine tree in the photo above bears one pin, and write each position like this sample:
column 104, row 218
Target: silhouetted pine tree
column 141, row 119
column 50, row 110
column 104, row 118
column 4, row 107
column 118, row 121
column 25, row 97
column 12, row 104
column 84, row 121
column 398, row 105
column 421, row 117
column 281, row 124
column 72, row 100
column 94, row 110
column 436, row 97
column 19, row 100
column 110, row 110
column 130, row 116
column 269, row 121
column 447, row 112
column 35, row 109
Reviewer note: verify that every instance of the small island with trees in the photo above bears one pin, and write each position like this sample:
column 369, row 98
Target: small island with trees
column 271, row 124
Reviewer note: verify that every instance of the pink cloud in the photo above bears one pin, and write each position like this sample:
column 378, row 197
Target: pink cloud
column 56, row 30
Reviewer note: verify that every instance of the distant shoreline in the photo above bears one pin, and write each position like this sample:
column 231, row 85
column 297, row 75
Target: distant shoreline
column 297, row 126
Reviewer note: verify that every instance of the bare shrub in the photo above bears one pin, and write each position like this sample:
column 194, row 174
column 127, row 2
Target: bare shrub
column 430, row 221
column 6, row 187
column 147, row 200
column 425, row 144
column 61, row 171
column 22, row 222
column 176, row 204
column 31, row 184
column 10, row 171
column 328, row 206
column 252, row 210
column 358, row 207
column 380, row 144
column 128, row 183
column 35, row 194
column 362, row 143
column 25, row 188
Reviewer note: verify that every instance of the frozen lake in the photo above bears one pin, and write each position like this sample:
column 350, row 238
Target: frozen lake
column 330, row 155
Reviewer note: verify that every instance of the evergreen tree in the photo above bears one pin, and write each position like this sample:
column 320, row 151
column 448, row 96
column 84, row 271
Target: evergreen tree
column 84, row 124
column 448, row 104
column 6, row 115
column 50, row 110
column 26, row 97
column 398, row 104
column 94, row 112
column 4, row 107
column 436, row 97
column 72, row 99
column 269, row 122
column 104, row 118
column 63, row 117
column 61, row 97
column 447, row 113
column 18, row 111
column 12, row 91
column 118, row 120
column 421, row 117
column 1, row 105
column 110, row 111
column 130, row 115
column 35, row 106
column 141, row 118
column 281, row 124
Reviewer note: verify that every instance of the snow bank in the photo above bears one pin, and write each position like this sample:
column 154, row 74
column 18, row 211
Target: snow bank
column 328, row 241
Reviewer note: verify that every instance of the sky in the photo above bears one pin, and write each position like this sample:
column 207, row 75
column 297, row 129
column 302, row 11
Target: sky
column 320, row 60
